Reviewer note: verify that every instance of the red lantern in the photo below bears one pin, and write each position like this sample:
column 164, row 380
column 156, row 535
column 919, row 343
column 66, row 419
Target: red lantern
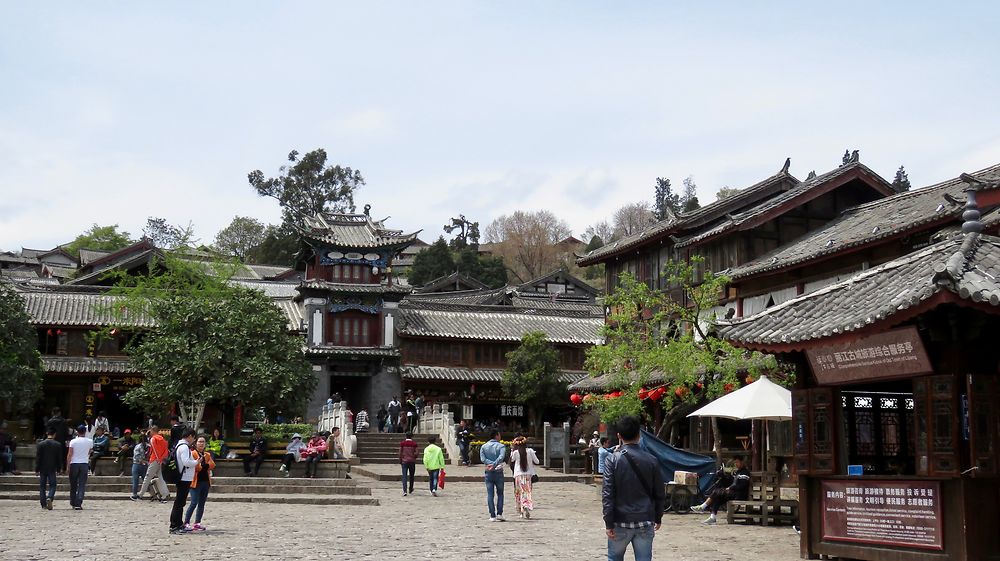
column 656, row 394
column 643, row 393
column 576, row 399
column 728, row 388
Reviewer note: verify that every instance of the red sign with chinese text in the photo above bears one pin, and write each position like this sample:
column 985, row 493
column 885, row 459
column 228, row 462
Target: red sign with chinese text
column 894, row 354
column 885, row 512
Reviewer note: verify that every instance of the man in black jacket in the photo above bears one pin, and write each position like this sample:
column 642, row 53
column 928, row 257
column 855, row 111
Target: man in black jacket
column 633, row 497
column 58, row 424
column 258, row 451
column 49, row 456
column 737, row 491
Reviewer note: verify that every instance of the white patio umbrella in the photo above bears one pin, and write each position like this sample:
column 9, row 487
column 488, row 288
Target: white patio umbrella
column 762, row 400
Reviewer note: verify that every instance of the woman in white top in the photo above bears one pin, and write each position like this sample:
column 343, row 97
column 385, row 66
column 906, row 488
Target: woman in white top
column 523, row 461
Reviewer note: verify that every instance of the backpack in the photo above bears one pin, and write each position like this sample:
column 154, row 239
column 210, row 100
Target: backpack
column 171, row 471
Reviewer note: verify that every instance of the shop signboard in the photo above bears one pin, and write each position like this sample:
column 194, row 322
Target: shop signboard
column 511, row 410
column 901, row 513
column 894, row 354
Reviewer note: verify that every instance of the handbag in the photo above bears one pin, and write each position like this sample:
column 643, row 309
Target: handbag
column 441, row 479
column 534, row 478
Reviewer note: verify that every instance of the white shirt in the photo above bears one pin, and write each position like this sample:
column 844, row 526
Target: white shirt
column 81, row 447
column 185, row 460
column 524, row 470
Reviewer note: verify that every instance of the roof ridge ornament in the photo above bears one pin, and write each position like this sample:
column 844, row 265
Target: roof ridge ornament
column 788, row 164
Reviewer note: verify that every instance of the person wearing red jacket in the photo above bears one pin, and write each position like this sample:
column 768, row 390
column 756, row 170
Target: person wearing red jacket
column 408, row 461
column 313, row 453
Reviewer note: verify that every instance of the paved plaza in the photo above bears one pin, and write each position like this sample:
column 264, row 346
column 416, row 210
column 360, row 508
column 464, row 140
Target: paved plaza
column 567, row 525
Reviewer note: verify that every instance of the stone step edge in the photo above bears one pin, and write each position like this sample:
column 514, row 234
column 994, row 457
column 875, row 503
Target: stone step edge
column 225, row 498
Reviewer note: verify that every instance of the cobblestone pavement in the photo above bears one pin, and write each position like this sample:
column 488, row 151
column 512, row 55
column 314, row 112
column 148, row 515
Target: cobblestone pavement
column 565, row 526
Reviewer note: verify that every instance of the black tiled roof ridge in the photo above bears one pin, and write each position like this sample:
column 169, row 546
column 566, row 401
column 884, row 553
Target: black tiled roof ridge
column 940, row 247
column 437, row 306
column 926, row 190
column 743, row 193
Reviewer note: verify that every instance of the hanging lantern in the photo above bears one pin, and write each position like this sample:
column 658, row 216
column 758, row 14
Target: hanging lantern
column 576, row 399
column 643, row 393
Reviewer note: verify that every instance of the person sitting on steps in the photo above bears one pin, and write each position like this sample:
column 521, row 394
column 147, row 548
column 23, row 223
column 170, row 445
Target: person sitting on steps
column 738, row 491
column 293, row 453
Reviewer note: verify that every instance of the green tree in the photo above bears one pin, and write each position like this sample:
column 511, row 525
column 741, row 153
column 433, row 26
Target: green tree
column 241, row 237
column 213, row 343
column 726, row 192
column 308, row 186
column 532, row 376
column 901, row 183
column 168, row 236
column 468, row 233
column 666, row 203
column 278, row 247
column 20, row 363
column 649, row 333
column 106, row 238
column 431, row 263
column 689, row 198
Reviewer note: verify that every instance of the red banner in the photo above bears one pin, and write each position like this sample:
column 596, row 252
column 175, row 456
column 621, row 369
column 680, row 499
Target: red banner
column 884, row 512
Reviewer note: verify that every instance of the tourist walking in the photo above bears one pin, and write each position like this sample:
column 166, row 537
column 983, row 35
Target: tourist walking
column 57, row 424
column 433, row 462
column 522, row 463
column 48, row 458
column 140, row 463
column 158, row 454
column 463, row 435
column 633, row 497
column 186, row 464
column 492, row 454
column 408, row 462
column 293, row 453
column 394, row 408
column 200, row 484
column 602, row 454
column 315, row 450
column 78, row 460
column 258, row 450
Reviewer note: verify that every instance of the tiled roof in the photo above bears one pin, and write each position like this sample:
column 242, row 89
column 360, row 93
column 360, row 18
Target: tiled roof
column 352, row 351
column 357, row 288
column 967, row 266
column 19, row 273
column 87, row 365
column 868, row 223
column 354, row 231
column 708, row 213
column 88, row 255
column 454, row 279
column 445, row 373
column 544, row 303
column 293, row 311
column 83, row 308
column 8, row 257
column 272, row 289
column 59, row 272
column 470, row 297
column 805, row 190
column 268, row 271
column 506, row 325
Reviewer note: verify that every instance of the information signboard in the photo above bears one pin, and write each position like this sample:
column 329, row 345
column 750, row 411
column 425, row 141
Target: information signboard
column 885, row 512
column 894, row 354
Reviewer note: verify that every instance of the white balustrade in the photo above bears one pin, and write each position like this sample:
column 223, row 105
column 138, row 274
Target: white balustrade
column 337, row 415
column 437, row 419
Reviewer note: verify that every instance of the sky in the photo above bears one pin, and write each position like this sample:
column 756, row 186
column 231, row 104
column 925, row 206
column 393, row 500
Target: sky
column 109, row 115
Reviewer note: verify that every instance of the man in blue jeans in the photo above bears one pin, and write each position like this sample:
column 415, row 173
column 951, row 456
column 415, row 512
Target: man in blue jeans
column 633, row 497
column 493, row 454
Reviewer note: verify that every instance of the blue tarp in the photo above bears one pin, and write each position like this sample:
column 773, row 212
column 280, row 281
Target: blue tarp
column 674, row 459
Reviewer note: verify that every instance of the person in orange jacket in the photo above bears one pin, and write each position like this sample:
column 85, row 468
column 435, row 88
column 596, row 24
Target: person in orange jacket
column 200, row 485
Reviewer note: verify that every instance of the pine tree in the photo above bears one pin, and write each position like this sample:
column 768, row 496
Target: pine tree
column 665, row 201
column 689, row 198
column 901, row 183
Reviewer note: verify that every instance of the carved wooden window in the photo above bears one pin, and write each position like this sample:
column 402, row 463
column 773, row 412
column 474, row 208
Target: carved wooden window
column 936, row 412
column 814, row 429
column 984, row 423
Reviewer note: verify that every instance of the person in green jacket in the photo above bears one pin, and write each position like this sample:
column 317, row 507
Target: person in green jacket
column 433, row 462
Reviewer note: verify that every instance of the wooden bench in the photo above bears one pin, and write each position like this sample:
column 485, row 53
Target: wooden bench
column 765, row 505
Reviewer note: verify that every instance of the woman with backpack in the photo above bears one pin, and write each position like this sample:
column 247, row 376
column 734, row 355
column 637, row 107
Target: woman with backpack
column 200, row 484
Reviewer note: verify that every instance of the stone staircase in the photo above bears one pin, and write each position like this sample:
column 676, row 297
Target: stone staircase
column 292, row 490
column 383, row 448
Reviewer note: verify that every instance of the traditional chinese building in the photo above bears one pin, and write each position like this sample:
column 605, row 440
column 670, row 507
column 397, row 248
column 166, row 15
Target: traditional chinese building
column 350, row 304
column 454, row 342
column 897, row 405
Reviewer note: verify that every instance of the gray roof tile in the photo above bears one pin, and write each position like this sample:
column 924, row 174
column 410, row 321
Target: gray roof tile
column 967, row 265
column 444, row 373
column 868, row 223
column 354, row 231
column 64, row 308
column 357, row 288
column 87, row 365
column 507, row 325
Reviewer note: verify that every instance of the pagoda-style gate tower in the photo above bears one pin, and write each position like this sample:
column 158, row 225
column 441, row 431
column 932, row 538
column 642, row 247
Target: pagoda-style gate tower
column 350, row 303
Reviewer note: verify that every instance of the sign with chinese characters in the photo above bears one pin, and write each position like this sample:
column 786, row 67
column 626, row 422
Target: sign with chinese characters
column 894, row 354
column 885, row 512
column 511, row 410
